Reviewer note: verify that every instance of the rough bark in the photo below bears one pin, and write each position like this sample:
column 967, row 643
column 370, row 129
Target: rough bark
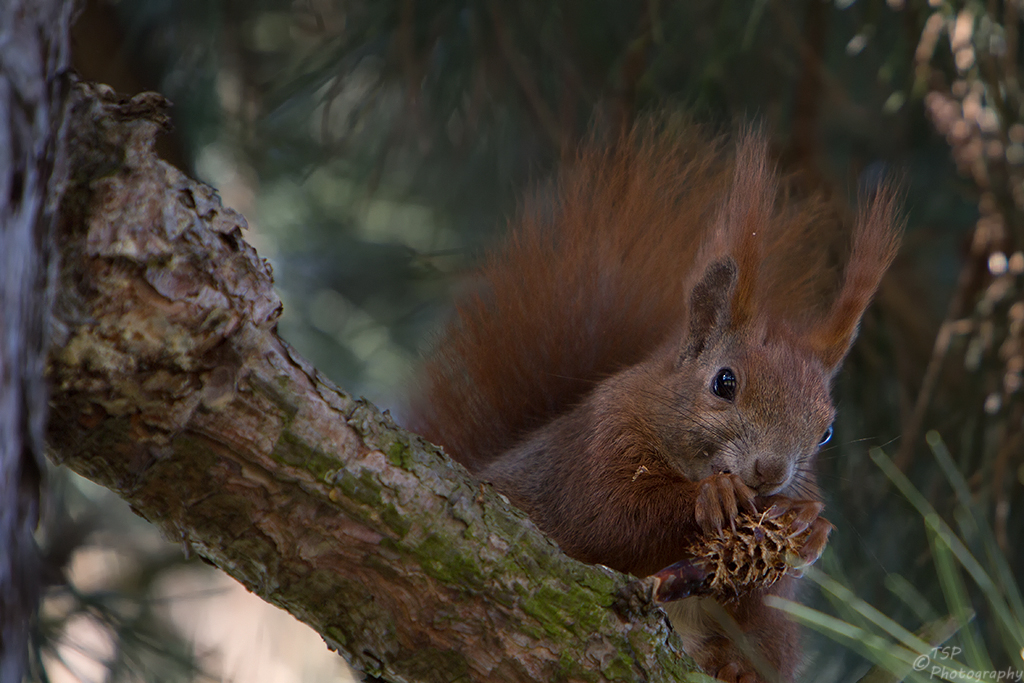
column 33, row 56
column 172, row 389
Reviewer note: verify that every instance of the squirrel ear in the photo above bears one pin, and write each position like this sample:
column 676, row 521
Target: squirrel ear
column 747, row 216
column 876, row 240
column 709, row 306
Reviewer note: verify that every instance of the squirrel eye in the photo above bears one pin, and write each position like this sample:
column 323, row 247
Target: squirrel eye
column 724, row 384
column 826, row 437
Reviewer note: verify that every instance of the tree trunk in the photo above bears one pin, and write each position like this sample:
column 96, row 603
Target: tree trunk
column 172, row 388
column 33, row 57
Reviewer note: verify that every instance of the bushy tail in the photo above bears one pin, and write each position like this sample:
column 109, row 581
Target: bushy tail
column 596, row 277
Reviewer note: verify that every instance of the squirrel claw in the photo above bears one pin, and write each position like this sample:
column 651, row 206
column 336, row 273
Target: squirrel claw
column 718, row 501
column 796, row 528
column 805, row 512
column 806, row 515
column 814, row 546
column 775, row 511
column 746, row 497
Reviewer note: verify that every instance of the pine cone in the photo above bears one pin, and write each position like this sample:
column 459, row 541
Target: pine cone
column 755, row 555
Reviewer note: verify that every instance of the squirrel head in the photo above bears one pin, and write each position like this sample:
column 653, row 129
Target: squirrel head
column 752, row 399
column 745, row 386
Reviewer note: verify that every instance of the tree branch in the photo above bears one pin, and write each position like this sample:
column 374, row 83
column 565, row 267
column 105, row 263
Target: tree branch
column 171, row 387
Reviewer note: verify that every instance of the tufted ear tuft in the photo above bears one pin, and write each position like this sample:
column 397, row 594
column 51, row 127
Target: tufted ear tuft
column 876, row 240
column 746, row 219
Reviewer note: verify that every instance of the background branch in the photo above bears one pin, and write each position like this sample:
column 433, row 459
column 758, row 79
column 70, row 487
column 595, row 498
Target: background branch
column 34, row 50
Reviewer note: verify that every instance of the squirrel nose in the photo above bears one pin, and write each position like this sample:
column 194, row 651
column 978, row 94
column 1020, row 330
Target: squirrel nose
column 771, row 474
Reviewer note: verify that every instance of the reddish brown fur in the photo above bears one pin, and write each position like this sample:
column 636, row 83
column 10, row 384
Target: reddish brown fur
column 874, row 247
column 573, row 304
column 747, row 213
column 579, row 377
column 594, row 279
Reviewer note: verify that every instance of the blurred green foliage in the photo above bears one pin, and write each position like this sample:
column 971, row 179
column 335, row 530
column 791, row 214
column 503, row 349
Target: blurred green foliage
column 377, row 147
column 386, row 142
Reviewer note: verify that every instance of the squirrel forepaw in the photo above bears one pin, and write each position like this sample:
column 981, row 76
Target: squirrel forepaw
column 814, row 546
column 805, row 515
column 719, row 500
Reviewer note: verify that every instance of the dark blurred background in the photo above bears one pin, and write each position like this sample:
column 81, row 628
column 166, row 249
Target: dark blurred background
column 378, row 146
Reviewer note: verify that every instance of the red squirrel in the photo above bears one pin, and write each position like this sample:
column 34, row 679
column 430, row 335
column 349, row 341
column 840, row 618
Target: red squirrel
column 651, row 353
